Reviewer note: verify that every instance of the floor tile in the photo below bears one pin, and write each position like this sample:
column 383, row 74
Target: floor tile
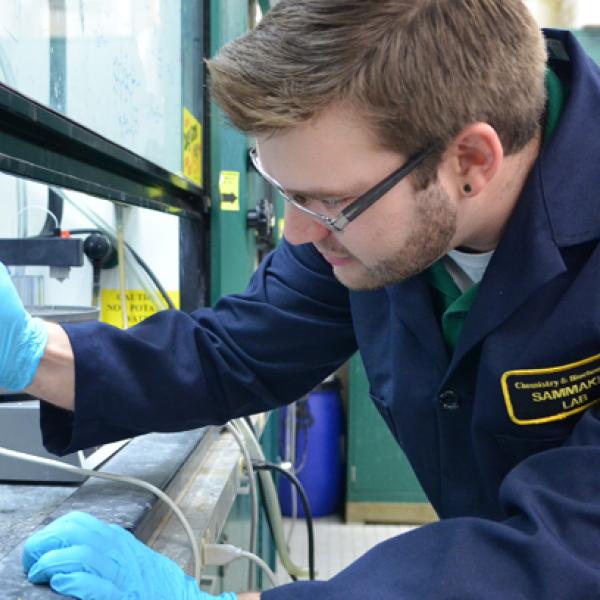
column 337, row 544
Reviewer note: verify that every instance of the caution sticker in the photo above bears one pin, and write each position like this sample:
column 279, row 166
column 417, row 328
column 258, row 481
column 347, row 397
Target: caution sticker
column 229, row 190
column 535, row 396
column 192, row 147
column 139, row 306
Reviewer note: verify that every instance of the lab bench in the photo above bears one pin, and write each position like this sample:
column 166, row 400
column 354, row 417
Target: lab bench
column 199, row 469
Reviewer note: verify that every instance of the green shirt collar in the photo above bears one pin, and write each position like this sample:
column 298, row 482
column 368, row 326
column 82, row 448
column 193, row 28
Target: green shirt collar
column 557, row 98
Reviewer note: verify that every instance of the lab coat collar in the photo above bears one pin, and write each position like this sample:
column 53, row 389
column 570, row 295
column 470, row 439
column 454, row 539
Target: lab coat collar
column 569, row 164
column 558, row 207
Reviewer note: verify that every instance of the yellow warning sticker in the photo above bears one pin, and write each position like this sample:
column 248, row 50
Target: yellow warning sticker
column 139, row 306
column 229, row 190
column 192, row 147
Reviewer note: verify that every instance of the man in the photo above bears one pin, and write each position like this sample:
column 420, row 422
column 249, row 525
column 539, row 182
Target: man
column 468, row 279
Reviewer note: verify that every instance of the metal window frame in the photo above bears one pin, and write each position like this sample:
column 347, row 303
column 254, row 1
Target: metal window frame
column 38, row 143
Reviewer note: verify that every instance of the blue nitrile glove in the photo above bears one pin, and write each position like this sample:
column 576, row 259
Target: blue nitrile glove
column 89, row 559
column 22, row 338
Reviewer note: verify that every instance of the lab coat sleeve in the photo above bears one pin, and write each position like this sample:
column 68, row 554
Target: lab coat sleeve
column 174, row 371
column 546, row 547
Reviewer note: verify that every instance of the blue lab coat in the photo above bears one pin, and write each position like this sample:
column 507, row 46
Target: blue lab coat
column 504, row 435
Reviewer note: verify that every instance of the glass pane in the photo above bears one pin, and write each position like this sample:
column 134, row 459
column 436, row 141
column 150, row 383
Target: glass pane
column 115, row 66
column 25, row 213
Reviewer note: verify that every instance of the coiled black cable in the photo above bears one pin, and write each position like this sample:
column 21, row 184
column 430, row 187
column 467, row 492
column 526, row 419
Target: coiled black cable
column 267, row 466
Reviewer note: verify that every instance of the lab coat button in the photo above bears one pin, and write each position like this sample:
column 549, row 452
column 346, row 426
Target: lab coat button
column 449, row 400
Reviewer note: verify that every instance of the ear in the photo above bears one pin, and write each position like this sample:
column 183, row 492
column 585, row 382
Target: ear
column 476, row 155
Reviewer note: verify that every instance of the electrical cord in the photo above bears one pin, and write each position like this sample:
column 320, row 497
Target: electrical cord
column 218, row 555
column 152, row 276
column 301, row 421
column 261, row 488
column 262, row 466
column 272, row 506
column 50, row 216
column 123, row 479
column 239, row 438
column 248, row 422
column 55, row 212
column 290, row 456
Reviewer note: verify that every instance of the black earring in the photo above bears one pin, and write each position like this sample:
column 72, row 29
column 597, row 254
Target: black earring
column 467, row 189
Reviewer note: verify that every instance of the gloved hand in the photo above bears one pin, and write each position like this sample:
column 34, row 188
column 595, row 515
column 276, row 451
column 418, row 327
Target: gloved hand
column 22, row 338
column 89, row 559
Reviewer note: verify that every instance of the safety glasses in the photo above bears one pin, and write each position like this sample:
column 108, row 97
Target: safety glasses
column 339, row 222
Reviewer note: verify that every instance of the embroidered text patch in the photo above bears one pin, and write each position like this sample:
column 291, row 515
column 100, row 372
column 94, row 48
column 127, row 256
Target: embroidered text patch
column 535, row 396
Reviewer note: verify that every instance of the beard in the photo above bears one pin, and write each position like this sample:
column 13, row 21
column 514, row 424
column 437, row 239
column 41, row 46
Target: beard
column 428, row 240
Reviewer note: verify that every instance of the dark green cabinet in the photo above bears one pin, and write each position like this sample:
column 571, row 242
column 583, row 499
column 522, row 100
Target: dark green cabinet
column 381, row 485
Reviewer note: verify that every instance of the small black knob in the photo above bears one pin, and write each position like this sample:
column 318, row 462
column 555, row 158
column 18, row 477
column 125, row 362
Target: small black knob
column 262, row 220
column 100, row 251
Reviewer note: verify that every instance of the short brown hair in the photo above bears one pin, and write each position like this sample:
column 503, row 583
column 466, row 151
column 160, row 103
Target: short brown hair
column 419, row 71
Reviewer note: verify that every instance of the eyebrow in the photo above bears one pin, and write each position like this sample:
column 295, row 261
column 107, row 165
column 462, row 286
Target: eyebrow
column 323, row 194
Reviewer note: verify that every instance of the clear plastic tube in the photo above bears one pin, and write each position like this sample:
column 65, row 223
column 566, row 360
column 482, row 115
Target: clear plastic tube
column 119, row 210
column 272, row 503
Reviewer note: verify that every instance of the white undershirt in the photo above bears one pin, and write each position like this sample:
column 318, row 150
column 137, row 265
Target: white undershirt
column 466, row 268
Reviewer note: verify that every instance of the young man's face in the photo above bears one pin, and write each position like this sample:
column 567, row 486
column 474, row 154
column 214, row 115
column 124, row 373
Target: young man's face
column 336, row 156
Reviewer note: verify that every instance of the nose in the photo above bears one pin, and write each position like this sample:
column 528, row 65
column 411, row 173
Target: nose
column 300, row 228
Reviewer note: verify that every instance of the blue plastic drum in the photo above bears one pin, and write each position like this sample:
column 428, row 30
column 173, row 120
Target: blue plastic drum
column 318, row 452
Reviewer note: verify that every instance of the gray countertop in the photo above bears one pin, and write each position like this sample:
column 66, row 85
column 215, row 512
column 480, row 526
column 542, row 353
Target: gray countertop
column 199, row 469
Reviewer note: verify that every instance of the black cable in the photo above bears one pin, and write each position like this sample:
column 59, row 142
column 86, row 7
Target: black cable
column 268, row 516
column 266, row 466
column 250, row 424
column 152, row 276
column 140, row 262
